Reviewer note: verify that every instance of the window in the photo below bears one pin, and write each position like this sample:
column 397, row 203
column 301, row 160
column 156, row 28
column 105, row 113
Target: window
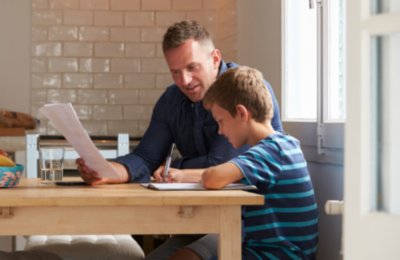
column 314, row 71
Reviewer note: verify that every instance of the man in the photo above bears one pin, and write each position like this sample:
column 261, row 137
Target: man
column 179, row 116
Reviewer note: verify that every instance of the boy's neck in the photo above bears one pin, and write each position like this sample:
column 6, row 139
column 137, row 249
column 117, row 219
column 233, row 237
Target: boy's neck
column 259, row 131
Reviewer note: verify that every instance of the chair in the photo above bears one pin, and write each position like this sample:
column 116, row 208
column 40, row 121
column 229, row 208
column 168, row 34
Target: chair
column 80, row 247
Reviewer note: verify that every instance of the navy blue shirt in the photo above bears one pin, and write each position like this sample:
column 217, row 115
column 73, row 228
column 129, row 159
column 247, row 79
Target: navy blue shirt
column 176, row 119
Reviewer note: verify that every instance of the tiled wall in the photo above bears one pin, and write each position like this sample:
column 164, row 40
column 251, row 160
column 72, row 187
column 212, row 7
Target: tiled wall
column 105, row 57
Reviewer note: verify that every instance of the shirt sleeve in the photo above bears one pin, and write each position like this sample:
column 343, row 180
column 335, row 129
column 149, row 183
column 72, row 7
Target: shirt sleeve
column 153, row 147
column 220, row 151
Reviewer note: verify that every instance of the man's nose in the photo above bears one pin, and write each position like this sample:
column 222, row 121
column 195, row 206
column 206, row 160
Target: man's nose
column 186, row 78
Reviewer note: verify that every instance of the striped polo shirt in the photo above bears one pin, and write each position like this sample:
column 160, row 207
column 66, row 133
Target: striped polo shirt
column 286, row 226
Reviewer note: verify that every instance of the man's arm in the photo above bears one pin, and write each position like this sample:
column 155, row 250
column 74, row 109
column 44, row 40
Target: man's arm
column 219, row 176
column 92, row 177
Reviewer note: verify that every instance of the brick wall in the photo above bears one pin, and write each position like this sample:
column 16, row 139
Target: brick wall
column 105, row 57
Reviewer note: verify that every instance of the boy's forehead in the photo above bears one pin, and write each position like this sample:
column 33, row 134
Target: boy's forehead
column 218, row 112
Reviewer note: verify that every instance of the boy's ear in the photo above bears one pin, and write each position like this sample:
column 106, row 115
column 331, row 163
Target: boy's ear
column 242, row 112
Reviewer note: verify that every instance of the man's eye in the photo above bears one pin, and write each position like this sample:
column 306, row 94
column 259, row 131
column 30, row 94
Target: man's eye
column 193, row 67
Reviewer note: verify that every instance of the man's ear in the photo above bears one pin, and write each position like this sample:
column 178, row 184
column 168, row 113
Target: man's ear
column 242, row 112
column 216, row 56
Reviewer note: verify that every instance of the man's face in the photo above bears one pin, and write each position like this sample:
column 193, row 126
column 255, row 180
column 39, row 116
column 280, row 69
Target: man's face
column 193, row 68
column 233, row 128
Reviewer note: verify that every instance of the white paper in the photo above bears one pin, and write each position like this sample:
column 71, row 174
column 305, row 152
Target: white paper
column 63, row 117
column 194, row 186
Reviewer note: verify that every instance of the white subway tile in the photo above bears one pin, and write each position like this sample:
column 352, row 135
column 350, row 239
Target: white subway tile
column 159, row 50
column 77, row 80
column 130, row 127
column 38, row 96
column 94, row 34
column 168, row 18
column 149, row 96
column 94, row 4
column 109, row 49
column 108, row 18
column 107, row 112
column 164, row 80
column 125, row 34
column 139, row 18
column 78, row 18
column 152, row 34
column 139, row 81
column 92, row 97
column 78, row 49
column 95, row 127
column 63, row 65
column 186, row 5
column 210, row 4
column 125, row 65
column 205, row 18
column 46, row 17
column 39, row 65
column 84, row 112
column 61, row 95
column 108, row 80
column 39, row 33
column 64, row 4
column 94, row 65
column 39, row 4
column 46, row 49
column 123, row 96
column 46, row 80
column 156, row 4
column 154, row 66
column 63, row 33
column 125, row 5
column 140, row 50
column 137, row 112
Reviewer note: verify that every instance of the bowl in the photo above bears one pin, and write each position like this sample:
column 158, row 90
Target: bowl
column 9, row 176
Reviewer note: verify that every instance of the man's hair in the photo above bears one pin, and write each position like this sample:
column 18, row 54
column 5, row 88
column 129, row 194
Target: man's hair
column 184, row 30
column 241, row 85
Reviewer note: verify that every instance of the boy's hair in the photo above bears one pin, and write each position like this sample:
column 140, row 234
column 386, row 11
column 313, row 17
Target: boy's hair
column 241, row 85
column 184, row 30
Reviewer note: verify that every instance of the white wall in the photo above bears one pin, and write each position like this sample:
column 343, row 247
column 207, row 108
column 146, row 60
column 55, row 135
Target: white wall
column 15, row 27
column 260, row 44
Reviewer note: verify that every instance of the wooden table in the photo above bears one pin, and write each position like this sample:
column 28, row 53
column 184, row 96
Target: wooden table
column 33, row 208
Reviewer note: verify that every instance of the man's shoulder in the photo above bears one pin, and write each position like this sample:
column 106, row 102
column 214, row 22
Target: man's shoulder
column 172, row 93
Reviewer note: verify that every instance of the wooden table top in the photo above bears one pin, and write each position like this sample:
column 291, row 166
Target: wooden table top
column 30, row 192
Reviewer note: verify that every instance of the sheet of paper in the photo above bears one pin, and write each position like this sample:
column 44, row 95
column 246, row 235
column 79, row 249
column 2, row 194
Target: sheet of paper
column 194, row 186
column 64, row 118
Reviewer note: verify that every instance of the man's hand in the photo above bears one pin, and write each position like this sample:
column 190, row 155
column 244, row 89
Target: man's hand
column 175, row 175
column 158, row 174
column 92, row 177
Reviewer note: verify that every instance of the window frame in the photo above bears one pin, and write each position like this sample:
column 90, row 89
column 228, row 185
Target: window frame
column 322, row 142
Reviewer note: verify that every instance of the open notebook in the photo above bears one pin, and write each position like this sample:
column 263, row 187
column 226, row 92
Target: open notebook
column 194, row 186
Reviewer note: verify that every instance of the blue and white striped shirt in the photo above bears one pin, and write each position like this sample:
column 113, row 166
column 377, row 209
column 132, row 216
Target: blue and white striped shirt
column 286, row 226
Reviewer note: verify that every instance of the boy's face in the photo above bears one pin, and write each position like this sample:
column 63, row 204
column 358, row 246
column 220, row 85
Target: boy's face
column 233, row 128
column 193, row 68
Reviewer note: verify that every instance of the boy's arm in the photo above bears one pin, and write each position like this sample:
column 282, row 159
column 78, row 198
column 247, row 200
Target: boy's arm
column 221, row 175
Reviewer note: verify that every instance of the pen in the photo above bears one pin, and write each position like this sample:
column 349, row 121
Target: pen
column 168, row 161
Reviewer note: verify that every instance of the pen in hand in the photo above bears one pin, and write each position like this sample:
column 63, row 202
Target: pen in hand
column 168, row 162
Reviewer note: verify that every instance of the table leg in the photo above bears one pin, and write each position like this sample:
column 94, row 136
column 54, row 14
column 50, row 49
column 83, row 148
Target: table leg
column 230, row 237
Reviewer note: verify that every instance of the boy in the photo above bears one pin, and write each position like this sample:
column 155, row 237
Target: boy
column 286, row 226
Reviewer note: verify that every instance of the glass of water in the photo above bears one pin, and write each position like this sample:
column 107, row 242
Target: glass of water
column 51, row 164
